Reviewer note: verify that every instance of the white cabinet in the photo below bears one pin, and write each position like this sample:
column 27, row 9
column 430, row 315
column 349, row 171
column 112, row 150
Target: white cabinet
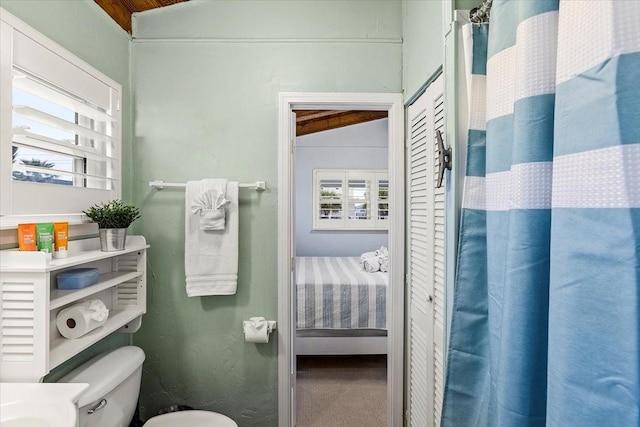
column 30, row 344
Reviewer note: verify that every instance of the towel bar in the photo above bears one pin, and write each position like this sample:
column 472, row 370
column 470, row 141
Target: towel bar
column 159, row 184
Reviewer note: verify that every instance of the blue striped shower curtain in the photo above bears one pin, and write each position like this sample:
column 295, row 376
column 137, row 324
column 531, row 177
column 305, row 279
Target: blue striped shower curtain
column 545, row 326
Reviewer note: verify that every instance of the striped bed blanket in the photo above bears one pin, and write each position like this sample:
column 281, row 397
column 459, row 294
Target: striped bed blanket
column 336, row 293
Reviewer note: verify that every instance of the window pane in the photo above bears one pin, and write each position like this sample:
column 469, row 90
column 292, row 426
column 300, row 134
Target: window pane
column 383, row 211
column 35, row 165
column 330, row 199
column 359, row 190
column 45, row 148
column 359, row 211
column 383, row 189
column 20, row 97
column 383, row 199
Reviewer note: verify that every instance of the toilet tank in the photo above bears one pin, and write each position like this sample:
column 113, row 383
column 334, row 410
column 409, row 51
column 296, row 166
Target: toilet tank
column 114, row 385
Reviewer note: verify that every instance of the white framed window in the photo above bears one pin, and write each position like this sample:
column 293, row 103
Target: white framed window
column 62, row 152
column 350, row 199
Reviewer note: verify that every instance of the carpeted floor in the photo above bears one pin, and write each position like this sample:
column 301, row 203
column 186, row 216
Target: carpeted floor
column 335, row 391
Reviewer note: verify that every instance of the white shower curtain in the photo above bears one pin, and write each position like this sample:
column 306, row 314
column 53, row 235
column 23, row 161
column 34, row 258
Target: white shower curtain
column 545, row 328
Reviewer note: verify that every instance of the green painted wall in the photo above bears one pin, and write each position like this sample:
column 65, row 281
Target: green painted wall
column 423, row 42
column 206, row 79
column 467, row 4
column 85, row 30
column 425, row 24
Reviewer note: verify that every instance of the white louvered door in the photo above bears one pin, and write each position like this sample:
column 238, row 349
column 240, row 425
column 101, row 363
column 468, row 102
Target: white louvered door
column 438, row 262
column 426, row 265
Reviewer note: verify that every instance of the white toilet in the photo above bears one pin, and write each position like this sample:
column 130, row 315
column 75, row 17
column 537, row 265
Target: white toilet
column 114, row 385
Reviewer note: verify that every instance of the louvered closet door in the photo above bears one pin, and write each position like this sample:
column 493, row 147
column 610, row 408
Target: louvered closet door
column 425, row 272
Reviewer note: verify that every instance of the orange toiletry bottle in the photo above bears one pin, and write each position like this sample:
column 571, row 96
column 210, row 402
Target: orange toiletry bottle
column 27, row 237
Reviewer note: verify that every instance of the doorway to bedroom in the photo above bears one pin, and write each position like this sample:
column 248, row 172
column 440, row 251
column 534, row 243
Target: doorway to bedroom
column 341, row 216
column 341, row 231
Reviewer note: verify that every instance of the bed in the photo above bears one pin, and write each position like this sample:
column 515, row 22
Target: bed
column 340, row 308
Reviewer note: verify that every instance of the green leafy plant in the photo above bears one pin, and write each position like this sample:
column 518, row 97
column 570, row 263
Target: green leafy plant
column 329, row 193
column 113, row 214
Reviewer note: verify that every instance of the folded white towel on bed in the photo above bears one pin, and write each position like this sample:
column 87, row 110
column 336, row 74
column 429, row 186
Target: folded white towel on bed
column 370, row 262
column 383, row 252
column 211, row 256
column 366, row 256
column 383, row 255
column 377, row 260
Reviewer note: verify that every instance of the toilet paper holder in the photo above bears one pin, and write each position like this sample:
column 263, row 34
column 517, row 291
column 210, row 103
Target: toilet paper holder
column 258, row 329
column 271, row 325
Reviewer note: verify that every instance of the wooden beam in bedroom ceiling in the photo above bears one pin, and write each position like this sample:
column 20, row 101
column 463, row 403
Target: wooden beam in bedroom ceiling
column 312, row 121
column 121, row 10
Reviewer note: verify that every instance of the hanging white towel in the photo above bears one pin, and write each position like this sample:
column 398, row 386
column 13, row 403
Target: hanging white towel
column 211, row 256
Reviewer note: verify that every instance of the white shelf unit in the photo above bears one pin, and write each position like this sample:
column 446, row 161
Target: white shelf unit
column 30, row 344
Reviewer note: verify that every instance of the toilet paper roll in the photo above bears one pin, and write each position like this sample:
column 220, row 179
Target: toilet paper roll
column 79, row 319
column 256, row 330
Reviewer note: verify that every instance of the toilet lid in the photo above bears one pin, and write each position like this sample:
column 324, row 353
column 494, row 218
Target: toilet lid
column 191, row 419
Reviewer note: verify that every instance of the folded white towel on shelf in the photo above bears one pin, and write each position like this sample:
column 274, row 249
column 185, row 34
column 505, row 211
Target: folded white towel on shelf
column 211, row 255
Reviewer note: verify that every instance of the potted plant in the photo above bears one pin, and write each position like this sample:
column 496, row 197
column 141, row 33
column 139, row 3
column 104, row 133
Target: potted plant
column 113, row 219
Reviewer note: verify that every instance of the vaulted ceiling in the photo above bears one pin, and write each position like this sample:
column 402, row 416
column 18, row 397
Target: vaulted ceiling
column 121, row 10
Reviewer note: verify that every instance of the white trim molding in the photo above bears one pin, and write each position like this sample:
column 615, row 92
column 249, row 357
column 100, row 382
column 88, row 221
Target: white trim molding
column 391, row 102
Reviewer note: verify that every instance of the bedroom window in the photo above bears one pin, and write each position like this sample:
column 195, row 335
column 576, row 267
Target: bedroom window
column 65, row 133
column 350, row 199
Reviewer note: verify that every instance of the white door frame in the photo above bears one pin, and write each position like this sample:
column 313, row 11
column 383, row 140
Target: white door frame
column 392, row 103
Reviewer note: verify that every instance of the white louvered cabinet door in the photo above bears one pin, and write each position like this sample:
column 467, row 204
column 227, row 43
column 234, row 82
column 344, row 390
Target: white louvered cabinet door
column 426, row 264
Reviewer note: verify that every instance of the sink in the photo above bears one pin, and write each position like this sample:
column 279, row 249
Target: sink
column 48, row 413
column 39, row 404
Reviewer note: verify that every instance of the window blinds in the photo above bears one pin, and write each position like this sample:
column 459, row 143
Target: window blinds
column 65, row 128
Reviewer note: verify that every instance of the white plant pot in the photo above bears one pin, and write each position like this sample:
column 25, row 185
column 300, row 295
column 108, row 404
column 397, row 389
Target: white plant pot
column 112, row 239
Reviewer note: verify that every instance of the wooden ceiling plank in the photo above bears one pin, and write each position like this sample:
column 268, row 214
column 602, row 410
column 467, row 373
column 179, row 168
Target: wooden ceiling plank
column 170, row 2
column 118, row 11
column 315, row 115
column 142, row 5
column 128, row 4
column 121, row 10
column 338, row 121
